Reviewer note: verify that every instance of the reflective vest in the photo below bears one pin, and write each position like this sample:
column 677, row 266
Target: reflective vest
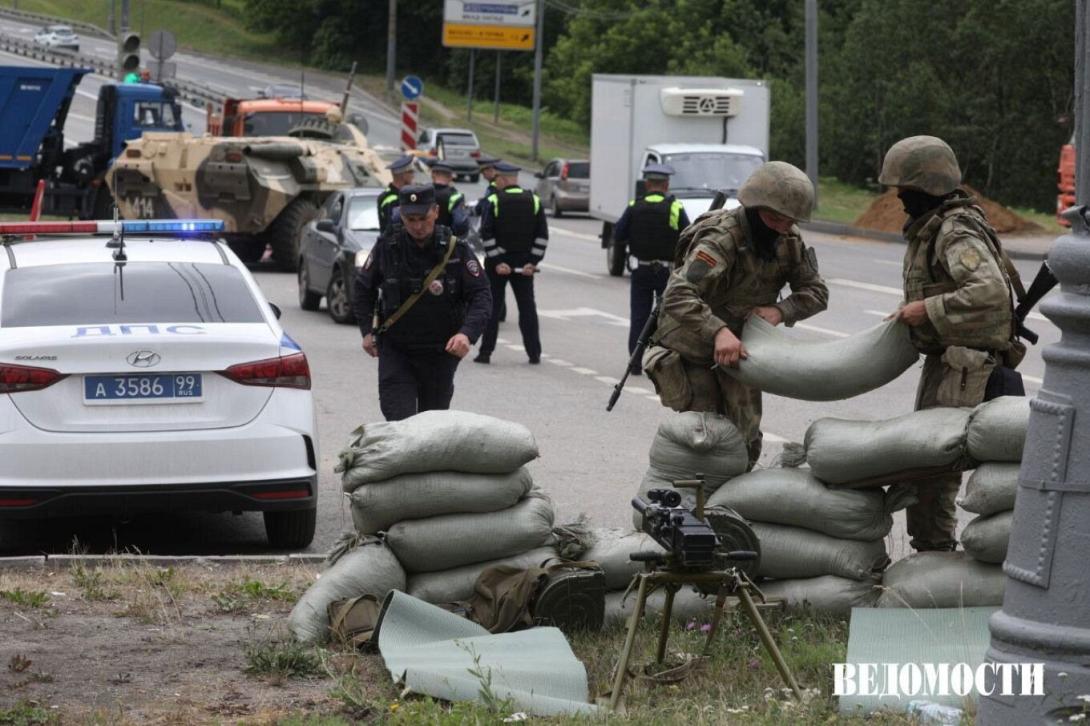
column 515, row 212
column 653, row 227
column 447, row 197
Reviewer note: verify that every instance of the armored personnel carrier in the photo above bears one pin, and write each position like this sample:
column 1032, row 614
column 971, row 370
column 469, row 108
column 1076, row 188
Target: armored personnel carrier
column 265, row 189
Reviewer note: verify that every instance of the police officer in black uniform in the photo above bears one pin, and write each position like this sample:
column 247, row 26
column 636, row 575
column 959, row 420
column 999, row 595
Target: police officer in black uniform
column 650, row 227
column 453, row 212
column 402, row 171
column 419, row 343
column 487, row 166
column 515, row 237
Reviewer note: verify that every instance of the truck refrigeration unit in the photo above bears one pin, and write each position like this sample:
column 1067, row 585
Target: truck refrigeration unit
column 712, row 131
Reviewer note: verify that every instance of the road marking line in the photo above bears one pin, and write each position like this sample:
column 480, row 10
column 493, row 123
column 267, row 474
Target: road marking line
column 879, row 313
column 503, row 341
column 560, row 362
column 577, row 235
column 564, row 315
column 1033, row 379
column 641, row 391
column 652, row 397
column 585, row 371
column 888, row 262
column 568, row 270
column 774, row 438
column 514, row 346
column 607, row 380
column 80, row 116
column 826, row 331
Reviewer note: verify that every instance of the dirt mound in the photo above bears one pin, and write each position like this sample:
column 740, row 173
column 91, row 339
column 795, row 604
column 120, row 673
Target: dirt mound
column 885, row 214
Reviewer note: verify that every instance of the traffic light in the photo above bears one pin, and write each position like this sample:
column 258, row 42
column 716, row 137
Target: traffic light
column 128, row 54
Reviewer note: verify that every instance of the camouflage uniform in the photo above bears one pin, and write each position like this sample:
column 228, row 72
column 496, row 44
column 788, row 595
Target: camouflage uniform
column 717, row 282
column 953, row 263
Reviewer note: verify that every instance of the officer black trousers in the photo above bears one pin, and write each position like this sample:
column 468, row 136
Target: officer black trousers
column 409, row 383
column 647, row 282
column 523, row 287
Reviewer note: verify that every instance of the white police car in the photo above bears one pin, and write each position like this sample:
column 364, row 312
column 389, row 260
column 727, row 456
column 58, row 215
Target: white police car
column 148, row 376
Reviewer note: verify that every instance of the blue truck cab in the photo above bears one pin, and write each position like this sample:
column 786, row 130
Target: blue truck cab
column 34, row 104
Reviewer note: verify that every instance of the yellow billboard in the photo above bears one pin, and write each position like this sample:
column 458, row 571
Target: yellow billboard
column 496, row 37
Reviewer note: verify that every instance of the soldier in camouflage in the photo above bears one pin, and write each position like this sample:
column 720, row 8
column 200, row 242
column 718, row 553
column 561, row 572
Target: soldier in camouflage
column 958, row 305
column 730, row 265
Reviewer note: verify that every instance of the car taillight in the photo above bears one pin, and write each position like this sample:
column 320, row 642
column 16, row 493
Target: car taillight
column 18, row 379
column 476, row 153
column 288, row 371
column 564, row 172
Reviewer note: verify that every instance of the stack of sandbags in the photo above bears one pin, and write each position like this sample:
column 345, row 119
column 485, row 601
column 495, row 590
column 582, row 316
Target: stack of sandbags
column 691, row 443
column 824, row 547
column 997, row 435
column 450, row 493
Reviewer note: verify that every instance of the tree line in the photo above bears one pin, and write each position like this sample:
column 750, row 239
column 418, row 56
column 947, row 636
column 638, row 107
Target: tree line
column 992, row 77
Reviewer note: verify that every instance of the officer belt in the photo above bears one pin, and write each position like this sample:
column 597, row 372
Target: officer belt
column 655, row 263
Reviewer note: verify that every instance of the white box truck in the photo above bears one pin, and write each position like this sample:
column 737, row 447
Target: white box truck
column 712, row 131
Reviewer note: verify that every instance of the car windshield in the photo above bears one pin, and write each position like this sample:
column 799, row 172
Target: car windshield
column 363, row 213
column 579, row 170
column 458, row 139
column 284, row 92
column 710, row 170
column 154, row 292
column 274, row 123
column 154, row 114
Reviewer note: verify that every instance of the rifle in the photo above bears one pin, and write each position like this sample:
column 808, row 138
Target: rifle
column 1041, row 285
column 649, row 327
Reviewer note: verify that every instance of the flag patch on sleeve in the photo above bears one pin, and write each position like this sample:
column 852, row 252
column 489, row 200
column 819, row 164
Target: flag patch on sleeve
column 705, row 258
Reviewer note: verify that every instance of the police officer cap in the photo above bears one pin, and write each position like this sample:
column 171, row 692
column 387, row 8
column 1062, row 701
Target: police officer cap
column 416, row 198
column 400, row 164
column 506, row 167
column 486, row 161
column 441, row 166
column 658, row 171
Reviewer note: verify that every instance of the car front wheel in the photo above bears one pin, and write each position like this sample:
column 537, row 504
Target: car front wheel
column 308, row 299
column 292, row 529
column 336, row 299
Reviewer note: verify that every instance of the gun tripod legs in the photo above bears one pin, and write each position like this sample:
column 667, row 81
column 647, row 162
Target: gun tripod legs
column 630, row 639
column 667, row 616
column 769, row 643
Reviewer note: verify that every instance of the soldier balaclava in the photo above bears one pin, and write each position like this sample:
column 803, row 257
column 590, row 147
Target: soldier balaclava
column 917, row 203
column 764, row 237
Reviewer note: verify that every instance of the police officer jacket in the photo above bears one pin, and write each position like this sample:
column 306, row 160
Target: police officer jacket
column 387, row 202
column 452, row 209
column 459, row 300
column 650, row 226
column 513, row 228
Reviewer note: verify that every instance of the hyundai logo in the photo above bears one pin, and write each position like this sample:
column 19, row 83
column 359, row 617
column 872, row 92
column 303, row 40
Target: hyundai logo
column 143, row 359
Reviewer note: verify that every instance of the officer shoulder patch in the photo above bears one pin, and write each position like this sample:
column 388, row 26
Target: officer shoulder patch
column 969, row 258
column 707, row 259
column 697, row 270
column 473, row 268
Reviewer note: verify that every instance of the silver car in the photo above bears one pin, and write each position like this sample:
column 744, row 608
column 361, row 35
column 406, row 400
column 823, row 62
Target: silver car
column 457, row 147
column 564, row 186
column 57, row 37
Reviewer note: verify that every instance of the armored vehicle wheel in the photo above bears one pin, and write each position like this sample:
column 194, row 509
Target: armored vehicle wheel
column 292, row 529
column 308, row 299
column 284, row 233
column 336, row 298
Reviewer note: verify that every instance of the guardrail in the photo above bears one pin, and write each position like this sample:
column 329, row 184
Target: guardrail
column 39, row 18
column 188, row 91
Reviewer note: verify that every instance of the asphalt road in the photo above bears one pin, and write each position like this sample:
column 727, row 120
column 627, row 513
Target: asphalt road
column 591, row 461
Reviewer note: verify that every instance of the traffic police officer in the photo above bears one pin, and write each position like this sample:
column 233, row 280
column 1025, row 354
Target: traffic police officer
column 452, row 203
column 434, row 304
column 402, row 173
column 958, row 305
column 487, row 165
column 649, row 227
column 515, row 237
column 733, row 264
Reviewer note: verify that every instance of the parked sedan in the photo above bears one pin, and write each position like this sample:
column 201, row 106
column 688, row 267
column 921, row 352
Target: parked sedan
column 564, row 186
column 457, row 147
column 332, row 246
column 57, row 37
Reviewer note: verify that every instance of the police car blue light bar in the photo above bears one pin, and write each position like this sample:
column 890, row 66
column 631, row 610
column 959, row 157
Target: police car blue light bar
column 126, row 226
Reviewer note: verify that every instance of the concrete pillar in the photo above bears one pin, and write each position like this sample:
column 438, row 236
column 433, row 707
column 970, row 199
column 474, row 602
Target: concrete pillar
column 1046, row 606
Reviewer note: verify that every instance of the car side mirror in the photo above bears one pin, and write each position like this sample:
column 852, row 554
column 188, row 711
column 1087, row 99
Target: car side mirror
column 539, row 174
column 276, row 310
column 326, row 225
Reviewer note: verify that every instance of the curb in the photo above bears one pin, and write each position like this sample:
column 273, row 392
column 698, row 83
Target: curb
column 847, row 230
column 38, row 562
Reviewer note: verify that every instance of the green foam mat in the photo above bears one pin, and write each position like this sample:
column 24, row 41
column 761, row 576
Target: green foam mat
column 926, row 636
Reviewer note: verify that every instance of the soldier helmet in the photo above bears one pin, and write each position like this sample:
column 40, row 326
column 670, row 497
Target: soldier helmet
column 781, row 187
column 924, row 163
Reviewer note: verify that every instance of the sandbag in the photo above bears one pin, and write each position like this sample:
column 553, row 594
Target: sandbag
column 991, row 488
column 779, row 361
column 691, row 443
column 457, row 584
column 793, row 552
column 827, row 594
column 453, row 540
column 688, row 604
column 796, row 497
column 986, row 537
column 370, row 569
column 378, row 505
column 997, row 429
column 434, row 441
column 842, row 452
column 611, row 550
column 942, row 580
